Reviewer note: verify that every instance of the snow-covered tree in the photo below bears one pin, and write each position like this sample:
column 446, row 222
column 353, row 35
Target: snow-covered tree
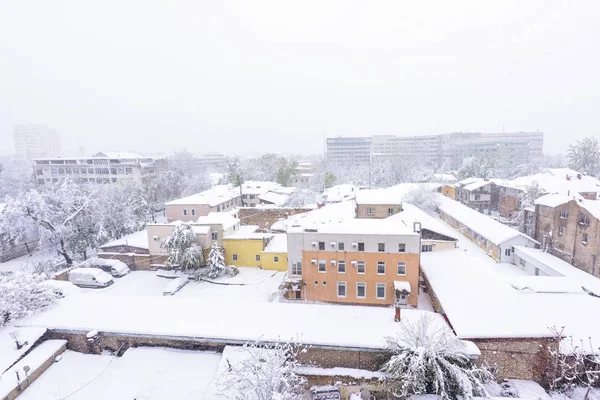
column 584, row 156
column 423, row 197
column 182, row 247
column 263, row 373
column 22, row 295
column 528, row 198
column 52, row 211
column 427, row 358
column 479, row 166
column 121, row 209
column 329, row 180
column 301, row 198
column 537, row 164
column 216, row 261
column 15, row 178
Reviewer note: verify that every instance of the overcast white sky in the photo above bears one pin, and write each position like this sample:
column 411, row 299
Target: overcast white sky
column 276, row 76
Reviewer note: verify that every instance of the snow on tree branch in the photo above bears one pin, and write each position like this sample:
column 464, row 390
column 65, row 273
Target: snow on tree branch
column 182, row 247
column 263, row 373
column 427, row 358
column 21, row 295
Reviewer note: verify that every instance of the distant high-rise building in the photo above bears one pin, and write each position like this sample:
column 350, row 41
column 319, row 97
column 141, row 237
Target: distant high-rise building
column 448, row 150
column 348, row 151
column 100, row 168
column 36, row 141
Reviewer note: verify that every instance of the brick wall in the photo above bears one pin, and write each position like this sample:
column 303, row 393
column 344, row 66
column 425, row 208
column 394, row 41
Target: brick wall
column 265, row 217
column 520, row 358
column 135, row 262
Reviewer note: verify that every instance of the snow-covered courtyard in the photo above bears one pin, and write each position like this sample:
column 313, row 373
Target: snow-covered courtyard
column 250, row 285
column 141, row 373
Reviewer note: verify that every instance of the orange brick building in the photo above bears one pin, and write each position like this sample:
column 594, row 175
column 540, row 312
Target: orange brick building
column 355, row 262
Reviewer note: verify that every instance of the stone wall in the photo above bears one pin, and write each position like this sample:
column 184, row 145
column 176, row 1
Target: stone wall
column 519, row 358
column 265, row 217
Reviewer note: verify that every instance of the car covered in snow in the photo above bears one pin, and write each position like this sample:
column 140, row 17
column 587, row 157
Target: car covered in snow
column 90, row 277
column 175, row 285
column 116, row 268
column 61, row 288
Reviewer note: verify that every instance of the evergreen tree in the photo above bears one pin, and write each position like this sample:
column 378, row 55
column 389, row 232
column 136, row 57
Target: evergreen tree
column 216, row 262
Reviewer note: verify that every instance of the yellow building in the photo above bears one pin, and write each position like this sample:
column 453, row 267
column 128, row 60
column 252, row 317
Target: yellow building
column 449, row 191
column 274, row 256
column 244, row 251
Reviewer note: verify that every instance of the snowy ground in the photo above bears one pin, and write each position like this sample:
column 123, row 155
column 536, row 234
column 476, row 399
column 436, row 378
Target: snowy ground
column 26, row 261
column 250, row 285
column 141, row 373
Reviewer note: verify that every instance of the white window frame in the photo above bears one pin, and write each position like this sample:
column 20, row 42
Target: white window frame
column 378, row 265
column 364, row 265
column 507, row 252
column 257, row 257
column 398, row 268
column 193, row 211
column 297, row 267
column 377, row 286
column 364, row 285
column 345, row 286
column 369, row 211
column 341, row 246
column 324, row 264
column 379, row 246
column 403, row 249
column 339, row 263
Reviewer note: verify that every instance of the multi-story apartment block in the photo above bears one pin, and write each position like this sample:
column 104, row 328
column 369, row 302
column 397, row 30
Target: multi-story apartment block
column 348, row 151
column 371, row 262
column 216, row 199
column 36, row 141
column 570, row 230
column 476, row 195
column 449, row 150
column 101, row 168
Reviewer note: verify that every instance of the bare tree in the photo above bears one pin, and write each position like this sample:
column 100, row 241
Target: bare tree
column 264, row 373
column 584, row 156
column 572, row 365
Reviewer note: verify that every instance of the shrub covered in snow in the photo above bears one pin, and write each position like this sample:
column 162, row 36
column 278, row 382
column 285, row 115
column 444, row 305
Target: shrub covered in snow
column 427, row 358
column 21, row 295
column 265, row 373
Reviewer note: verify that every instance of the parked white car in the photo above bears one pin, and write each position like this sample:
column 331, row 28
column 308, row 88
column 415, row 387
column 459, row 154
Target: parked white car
column 174, row 286
column 90, row 277
column 61, row 288
column 114, row 267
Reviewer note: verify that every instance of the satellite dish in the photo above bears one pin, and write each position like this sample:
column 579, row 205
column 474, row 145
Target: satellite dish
column 26, row 368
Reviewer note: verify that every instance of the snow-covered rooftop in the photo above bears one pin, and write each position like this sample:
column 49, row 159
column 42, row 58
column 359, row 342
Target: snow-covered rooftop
column 468, row 181
column 411, row 213
column 402, row 286
column 485, row 226
column 359, row 226
column 278, row 244
column 277, row 199
column 119, row 155
column 228, row 219
column 247, row 232
column 211, row 197
column 313, row 324
column 338, row 193
column 137, row 239
column 476, row 185
column 589, row 282
column 545, row 284
column 334, row 212
column 9, row 353
column 591, row 206
column 479, row 303
column 553, row 200
column 258, row 187
column 563, row 181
